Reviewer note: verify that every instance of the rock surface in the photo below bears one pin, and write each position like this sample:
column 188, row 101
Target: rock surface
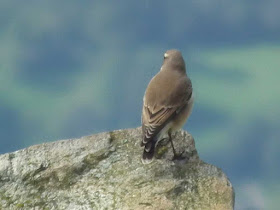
column 104, row 171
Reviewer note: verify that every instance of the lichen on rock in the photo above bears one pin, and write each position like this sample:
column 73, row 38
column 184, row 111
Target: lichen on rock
column 104, row 171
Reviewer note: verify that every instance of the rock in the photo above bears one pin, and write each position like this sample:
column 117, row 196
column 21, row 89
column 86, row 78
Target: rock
column 104, row 171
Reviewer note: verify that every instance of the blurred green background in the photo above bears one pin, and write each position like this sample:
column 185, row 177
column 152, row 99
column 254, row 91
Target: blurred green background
column 74, row 68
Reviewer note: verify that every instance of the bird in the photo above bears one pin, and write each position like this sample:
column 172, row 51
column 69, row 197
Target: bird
column 167, row 104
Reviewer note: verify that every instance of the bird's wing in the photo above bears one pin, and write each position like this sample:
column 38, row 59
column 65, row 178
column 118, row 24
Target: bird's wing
column 153, row 122
column 157, row 113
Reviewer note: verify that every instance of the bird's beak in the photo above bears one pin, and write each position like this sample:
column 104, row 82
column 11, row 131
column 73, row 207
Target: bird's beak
column 165, row 55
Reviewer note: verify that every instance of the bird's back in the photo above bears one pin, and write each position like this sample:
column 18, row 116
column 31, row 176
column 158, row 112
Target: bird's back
column 163, row 91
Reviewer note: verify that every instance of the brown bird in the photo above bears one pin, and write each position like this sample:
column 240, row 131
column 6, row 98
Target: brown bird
column 167, row 103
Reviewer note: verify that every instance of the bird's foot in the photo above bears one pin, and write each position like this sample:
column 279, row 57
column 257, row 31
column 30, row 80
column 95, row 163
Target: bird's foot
column 179, row 156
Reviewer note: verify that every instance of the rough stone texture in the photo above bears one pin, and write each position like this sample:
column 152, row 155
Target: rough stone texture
column 104, row 171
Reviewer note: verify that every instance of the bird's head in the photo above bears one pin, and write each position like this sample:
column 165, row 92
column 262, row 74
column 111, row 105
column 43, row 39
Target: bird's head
column 174, row 60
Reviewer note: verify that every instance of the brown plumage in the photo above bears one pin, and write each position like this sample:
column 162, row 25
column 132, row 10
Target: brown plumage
column 167, row 103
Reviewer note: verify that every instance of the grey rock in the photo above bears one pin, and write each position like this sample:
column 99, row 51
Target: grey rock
column 104, row 171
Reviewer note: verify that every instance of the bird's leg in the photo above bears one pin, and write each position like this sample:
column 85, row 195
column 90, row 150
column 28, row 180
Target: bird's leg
column 170, row 139
column 176, row 156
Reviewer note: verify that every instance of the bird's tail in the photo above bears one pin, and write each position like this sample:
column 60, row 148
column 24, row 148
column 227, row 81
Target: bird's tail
column 148, row 152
